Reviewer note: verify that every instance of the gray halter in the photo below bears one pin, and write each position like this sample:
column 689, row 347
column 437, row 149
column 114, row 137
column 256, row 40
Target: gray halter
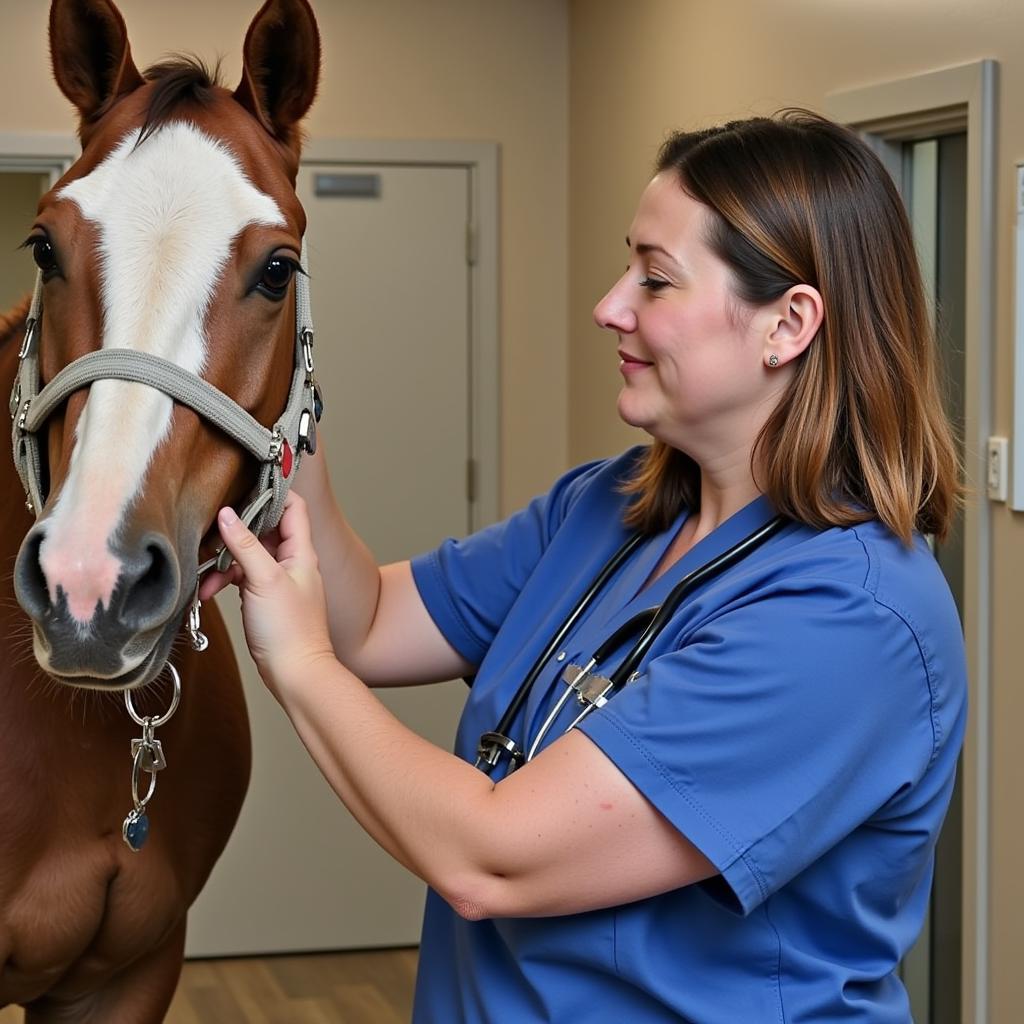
column 278, row 449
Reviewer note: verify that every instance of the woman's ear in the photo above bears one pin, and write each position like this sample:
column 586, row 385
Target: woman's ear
column 795, row 319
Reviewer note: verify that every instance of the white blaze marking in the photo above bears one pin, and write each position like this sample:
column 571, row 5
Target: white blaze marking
column 166, row 214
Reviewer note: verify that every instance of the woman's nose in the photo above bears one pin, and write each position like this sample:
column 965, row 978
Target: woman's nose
column 614, row 312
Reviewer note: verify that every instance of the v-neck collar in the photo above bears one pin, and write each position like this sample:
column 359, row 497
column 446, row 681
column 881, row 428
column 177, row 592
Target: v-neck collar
column 628, row 595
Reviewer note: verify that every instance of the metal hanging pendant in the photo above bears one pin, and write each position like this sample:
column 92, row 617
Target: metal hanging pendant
column 135, row 830
column 147, row 756
column 152, row 758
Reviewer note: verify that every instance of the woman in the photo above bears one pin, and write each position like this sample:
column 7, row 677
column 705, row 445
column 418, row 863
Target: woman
column 745, row 832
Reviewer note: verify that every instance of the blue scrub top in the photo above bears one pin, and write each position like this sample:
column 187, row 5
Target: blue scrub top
column 799, row 721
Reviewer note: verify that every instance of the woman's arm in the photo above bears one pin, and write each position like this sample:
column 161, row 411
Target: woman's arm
column 567, row 832
column 564, row 834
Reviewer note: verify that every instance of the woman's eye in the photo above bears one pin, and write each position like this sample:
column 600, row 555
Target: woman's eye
column 277, row 275
column 43, row 254
column 654, row 284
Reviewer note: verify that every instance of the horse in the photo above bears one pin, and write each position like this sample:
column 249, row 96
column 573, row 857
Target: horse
column 175, row 238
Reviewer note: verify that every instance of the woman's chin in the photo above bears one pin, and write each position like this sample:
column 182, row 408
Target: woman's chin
column 632, row 414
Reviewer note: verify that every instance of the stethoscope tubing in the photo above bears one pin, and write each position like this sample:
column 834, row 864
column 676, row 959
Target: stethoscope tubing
column 651, row 622
column 663, row 614
column 611, row 567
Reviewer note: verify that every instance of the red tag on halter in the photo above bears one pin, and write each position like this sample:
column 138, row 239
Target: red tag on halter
column 286, row 459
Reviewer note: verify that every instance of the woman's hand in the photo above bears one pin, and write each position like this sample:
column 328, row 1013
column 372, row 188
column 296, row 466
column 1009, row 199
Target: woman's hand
column 283, row 606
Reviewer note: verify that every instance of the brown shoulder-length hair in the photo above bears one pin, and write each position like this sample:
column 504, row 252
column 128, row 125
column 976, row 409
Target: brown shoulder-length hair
column 861, row 432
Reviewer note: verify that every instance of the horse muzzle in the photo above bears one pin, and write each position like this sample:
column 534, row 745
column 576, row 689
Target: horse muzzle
column 100, row 620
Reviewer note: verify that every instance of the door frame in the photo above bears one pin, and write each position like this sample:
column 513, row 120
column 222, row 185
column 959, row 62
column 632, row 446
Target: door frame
column 54, row 153
column 46, row 153
column 960, row 98
column 480, row 160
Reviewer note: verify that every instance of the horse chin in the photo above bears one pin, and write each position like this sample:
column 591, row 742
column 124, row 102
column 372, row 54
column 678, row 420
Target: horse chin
column 143, row 670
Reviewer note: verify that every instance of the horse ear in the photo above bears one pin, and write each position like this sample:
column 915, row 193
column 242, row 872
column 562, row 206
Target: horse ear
column 281, row 67
column 92, row 61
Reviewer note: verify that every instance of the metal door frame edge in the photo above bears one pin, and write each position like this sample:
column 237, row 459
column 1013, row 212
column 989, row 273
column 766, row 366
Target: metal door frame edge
column 888, row 114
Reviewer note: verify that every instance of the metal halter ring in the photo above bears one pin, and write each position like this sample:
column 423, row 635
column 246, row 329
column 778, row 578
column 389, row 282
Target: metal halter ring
column 155, row 723
column 140, row 802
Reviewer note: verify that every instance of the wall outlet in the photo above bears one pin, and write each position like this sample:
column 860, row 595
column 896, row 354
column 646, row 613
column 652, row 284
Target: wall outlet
column 998, row 467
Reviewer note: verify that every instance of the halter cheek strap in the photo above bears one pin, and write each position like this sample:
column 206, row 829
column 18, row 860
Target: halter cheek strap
column 279, row 449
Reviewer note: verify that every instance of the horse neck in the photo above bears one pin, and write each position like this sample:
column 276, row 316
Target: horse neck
column 18, row 669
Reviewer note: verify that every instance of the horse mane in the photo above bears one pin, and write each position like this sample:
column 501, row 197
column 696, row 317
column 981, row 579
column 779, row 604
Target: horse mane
column 180, row 79
column 13, row 322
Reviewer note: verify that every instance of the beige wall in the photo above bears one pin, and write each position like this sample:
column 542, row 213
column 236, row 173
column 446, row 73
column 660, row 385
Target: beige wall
column 18, row 198
column 640, row 69
column 402, row 69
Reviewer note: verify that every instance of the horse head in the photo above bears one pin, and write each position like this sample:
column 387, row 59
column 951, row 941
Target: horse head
column 177, row 233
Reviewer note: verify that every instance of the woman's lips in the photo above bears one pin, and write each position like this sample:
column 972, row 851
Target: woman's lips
column 630, row 364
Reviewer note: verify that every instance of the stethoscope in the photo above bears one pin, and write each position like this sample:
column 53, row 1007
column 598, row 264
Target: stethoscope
column 594, row 691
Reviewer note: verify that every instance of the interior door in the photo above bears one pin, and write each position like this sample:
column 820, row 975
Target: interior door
column 391, row 303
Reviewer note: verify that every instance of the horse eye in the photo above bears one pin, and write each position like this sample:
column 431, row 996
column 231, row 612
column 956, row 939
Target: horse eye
column 277, row 275
column 43, row 254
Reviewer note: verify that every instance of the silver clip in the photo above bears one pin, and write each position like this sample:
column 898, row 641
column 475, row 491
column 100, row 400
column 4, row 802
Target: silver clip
column 152, row 758
column 197, row 637
column 26, row 342
column 307, row 350
column 589, row 689
column 593, row 690
column 307, row 432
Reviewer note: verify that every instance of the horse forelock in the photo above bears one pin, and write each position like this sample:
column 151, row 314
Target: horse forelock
column 179, row 81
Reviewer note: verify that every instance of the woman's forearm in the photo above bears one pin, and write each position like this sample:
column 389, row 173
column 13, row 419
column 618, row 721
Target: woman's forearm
column 423, row 805
column 344, row 560
column 378, row 625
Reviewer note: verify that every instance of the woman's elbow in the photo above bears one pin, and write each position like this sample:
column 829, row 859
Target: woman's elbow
column 478, row 898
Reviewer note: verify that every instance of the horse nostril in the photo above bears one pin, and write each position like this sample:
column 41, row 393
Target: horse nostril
column 150, row 586
column 30, row 586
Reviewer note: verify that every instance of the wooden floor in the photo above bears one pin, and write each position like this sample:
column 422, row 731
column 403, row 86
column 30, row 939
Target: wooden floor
column 364, row 988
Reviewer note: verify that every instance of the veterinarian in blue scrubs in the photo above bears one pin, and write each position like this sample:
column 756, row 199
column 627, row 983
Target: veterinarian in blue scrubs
column 744, row 832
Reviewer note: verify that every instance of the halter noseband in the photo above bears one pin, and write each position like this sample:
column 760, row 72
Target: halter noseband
column 278, row 449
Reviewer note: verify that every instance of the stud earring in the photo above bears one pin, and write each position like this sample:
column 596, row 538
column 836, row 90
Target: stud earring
column 773, row 360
